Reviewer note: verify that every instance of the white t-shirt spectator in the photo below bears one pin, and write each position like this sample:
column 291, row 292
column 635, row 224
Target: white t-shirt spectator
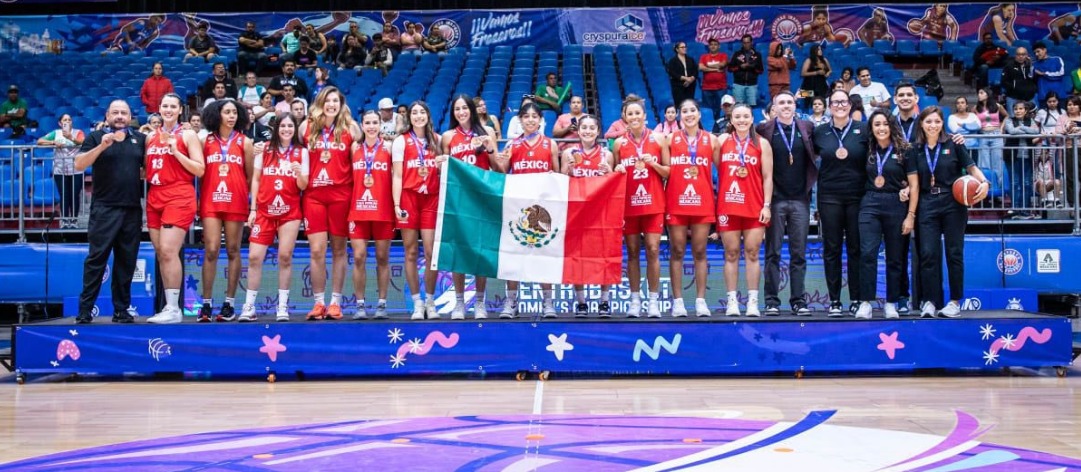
column 876, row 91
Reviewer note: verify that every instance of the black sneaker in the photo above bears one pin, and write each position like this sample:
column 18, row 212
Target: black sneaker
column 123, row 317
column 226, row 314
column 204, row 313
column 799, row 308
column 836, row 310
column 772, row 309
column 84, row 318
column 580, row 309
column 902, row 306
column 853, row 308
column 605, row 309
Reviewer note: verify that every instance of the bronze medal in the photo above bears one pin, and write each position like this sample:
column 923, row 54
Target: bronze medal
column 423, row 171
column 692, row 172
column 880, row 181
column 640, row 164
column 223, row 170
column 324, row 157
column 477, row 143
column 741, row 172
column 369, row 180
column 842, row 153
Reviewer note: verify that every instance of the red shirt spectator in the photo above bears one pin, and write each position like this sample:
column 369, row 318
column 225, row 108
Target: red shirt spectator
column 712, row 65
column 155, row 87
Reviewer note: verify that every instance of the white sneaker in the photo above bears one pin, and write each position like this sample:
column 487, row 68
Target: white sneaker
column 429, row 310
column 864, row 311
column 635, row 310
column 480, row 312
column 418, row 311
column 951, row 310
column 701, row 308
column 891, row 311
column 733, row 307
column 752, row 308
column 654, row 309
column 459, row 311
column 361, row 314
column 678, row 310
column 282, row 315
column 927, row 310
column 247, row 313
column 510, row 308
column 169, row 315
column 549, row 310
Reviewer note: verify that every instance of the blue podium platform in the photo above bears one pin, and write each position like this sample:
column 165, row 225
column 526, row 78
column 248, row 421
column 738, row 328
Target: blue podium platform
column 398, row 347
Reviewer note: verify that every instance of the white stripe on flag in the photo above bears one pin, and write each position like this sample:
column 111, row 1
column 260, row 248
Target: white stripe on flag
column 526, row 262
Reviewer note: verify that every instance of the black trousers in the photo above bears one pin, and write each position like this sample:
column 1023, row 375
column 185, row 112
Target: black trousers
column 71, row 194
column 839, row 226
column 881, row 216
column 941, row 221
column 116, row 230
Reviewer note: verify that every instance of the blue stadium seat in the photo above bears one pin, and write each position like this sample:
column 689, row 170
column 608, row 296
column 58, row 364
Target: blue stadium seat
column 42, row 192
column 930, row 48
column 906, row 48
column 9, row 197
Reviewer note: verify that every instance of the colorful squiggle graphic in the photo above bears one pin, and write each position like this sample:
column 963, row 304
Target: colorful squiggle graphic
column 1027, row 333
column 433, row 338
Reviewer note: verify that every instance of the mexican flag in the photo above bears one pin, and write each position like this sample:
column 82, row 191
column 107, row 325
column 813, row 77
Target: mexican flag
column 533, row 227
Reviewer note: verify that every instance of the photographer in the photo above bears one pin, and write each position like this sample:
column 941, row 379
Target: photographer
column 566, row 127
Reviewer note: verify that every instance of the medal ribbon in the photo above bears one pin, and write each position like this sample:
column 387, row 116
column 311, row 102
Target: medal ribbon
column 421, row 151
column 932, row 164
column 638, row 146
column 369, row 157
column 741, row 148
column 692, row 147
column 907, row 132
column 880, row 159
column 841, row 137
column 326, row 133
column 228, row 145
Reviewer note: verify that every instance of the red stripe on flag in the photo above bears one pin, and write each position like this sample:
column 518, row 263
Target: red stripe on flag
column 593, row 244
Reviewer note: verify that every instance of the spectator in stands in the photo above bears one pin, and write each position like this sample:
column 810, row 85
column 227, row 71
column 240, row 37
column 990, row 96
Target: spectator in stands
column 727, row 102
column 391, row 124
column 252, row 48
column 153, row 124
column 550, row 95
column 352, row 55
column 435, row 42
column 218, row 77
column 814, row 71
column 616, row 130
column 251, row 93
column 682, row 73
column 284, row 105
column 321, row 81
column 1048, row 158
column 794, row 175
column 874, row 94
column 1019, row 79
column 987, row 55
column 746, row 66
column 671, row 122
column 201, row 45
column 305, row 56
column 963, row 122
column 277, row 84
column 317, row 41
column 856, row 112
column 991, row 114
column 116, row 216
column 13, row 113
column 258, row 132
column 1070, row 125
column 713, row 65
column 195, row 123
column 69, row 182
column 486, row 119
column 566, row 126
column 380, row 57
column 780, row 61
column 154, row 87
column 514, row 127
column 264, row 111
column 392, row 40
column 1050, row 73
column 354, row 31
column 219, row 94
column 291, row 43
column 411, row 39
column 818, row 111
column 1018, row 159
column 1047, row 118
column 847, row 80
column 299, row 109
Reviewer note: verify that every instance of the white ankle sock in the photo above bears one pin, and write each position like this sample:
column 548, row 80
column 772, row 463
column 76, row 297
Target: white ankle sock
column 512, row 294
column 231, row 301
column 580, row 296
column 283, row 299
column 335, row 299
column 250, row 296
column 320, row 297
column 604, row 293
column 172, row 298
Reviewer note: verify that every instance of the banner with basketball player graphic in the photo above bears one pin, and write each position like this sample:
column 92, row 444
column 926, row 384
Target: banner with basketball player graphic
column 542, row 227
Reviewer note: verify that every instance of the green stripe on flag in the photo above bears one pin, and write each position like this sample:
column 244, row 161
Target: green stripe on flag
column 470, row 220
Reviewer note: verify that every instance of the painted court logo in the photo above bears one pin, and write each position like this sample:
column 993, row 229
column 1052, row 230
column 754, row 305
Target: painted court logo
column 533, row 228
column 1010, row 262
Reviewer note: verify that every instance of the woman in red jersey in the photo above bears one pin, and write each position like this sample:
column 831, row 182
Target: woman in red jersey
column 281, row 173
column 174, row 158
column 745, row 172
column 689, row 196
column 328, row 134
column 639, row 154
column 588, row 159
column 223, row 203
column 473, row 143
column 530, row 153
column 371, row 217
column 416, row 200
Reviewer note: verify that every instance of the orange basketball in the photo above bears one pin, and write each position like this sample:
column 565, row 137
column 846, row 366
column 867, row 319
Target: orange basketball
column 965, row 189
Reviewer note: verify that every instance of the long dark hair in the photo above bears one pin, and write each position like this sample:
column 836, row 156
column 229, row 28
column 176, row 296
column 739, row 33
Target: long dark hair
column 897, row 138
column 679, row 110
column 857, row 104
column 429, row 130
column 931, row 110
column 982, row 105
column 817, row 59
column 275, row 143
column 474, row 120
column 212, row 115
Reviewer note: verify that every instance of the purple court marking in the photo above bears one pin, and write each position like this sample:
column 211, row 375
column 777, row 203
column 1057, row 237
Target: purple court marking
column 493, row 443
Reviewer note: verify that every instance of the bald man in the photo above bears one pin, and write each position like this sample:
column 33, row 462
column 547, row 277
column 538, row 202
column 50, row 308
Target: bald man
column 117, row 152
column 1019, row 79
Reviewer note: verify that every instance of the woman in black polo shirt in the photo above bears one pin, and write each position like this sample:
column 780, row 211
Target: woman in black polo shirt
column 883, row 214
column 842, row 144
column 941, row 219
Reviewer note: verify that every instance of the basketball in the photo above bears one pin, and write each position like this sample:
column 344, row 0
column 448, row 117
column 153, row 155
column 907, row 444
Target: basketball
column 965, row 189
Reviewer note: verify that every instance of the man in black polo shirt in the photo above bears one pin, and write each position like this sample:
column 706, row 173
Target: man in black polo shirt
column 252, row 47
column 905, row 97
column 794, row 175
column 220, row 76
column 116, row 217
column 289, row 67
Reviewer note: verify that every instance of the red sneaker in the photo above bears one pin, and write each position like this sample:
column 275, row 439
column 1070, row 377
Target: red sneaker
column 319, row 311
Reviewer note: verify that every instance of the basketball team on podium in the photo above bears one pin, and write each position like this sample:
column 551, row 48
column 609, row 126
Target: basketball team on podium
column 882, row 180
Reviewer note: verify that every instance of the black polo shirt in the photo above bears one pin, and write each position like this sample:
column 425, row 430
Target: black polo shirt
column 908, row 127
column 789, row 179
column 895, row 169
column 116, row 172
column 842, row 177
column 254, row 36
column 952, row 161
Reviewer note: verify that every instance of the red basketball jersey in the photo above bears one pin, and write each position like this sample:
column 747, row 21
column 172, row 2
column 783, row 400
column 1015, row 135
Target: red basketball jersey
column 225, row 184
column 461, row 147
column 689, row 190
column 533, row 158
column 279, row 194
column 645, row 188
column 418, row 155
column 329, row 160
column 736, row 195
column 372, row 176
column 163, row 169
column 587, row 163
